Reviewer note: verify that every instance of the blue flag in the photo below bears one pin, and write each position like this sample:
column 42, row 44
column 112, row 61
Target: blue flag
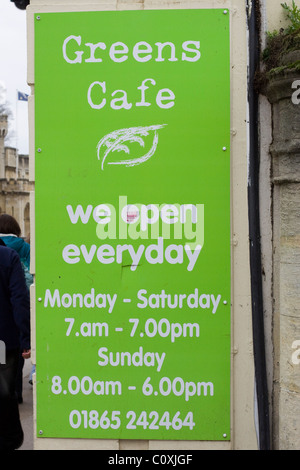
column 22, row 96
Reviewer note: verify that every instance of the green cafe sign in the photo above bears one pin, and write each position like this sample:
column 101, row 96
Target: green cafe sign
column 132, row 216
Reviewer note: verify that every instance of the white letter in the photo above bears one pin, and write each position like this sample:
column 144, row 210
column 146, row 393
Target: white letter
column 2, row 352
column 160, row 46
column 135, row 256
column 192, row 256
column 106, row 250
column 130, row 214
column 159, row 249
column 103, row 102
column 78, row 54
column 184, row 208
column 296, row 354
column 160, row 360
column 143, row 87
column 53, row 299
column 66, row 300
column 88, row 256
column 101, row 355
column 70, row 251
column 140, row 297
column 124, row 103
column 160, row 98
column 84, row 217
column 165, row 217
column 144, row 215
column 113, row 51
column 111, row 301
column 179, row 254
column 93, row 47
column 188, row 49
column 295, row 95
column 102, row 214
column 137, row 51
column 215, row 302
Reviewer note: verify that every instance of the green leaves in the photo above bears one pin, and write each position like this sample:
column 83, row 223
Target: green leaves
column 293, row 14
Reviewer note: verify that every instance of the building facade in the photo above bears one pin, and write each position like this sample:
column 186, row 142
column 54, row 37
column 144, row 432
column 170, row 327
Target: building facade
column 15, row 186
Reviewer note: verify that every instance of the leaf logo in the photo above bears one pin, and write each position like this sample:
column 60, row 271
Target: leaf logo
column 116, row 142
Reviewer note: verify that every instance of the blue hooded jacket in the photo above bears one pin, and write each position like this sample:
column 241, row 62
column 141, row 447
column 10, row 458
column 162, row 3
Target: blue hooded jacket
column 18, row 244
column 14, row 302
column 23, row 249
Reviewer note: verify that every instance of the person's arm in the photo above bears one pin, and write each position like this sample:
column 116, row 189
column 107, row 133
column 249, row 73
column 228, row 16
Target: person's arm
column 20, row 302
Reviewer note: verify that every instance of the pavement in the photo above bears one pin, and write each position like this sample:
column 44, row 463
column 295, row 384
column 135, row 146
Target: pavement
column 26, row 408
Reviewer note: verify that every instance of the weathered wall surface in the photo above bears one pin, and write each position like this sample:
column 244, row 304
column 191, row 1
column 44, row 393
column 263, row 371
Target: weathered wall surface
column 280, row 198
column 285, row 152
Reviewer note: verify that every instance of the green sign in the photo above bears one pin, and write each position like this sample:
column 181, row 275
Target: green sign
column 132, row 215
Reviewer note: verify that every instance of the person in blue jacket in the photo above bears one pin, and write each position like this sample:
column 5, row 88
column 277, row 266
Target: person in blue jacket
column 15, row 335
column 10, row 234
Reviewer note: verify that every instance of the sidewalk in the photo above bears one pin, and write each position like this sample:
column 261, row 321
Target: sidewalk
column 26, row 409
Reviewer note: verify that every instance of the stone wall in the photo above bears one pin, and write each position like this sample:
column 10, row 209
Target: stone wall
column 285, row 153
